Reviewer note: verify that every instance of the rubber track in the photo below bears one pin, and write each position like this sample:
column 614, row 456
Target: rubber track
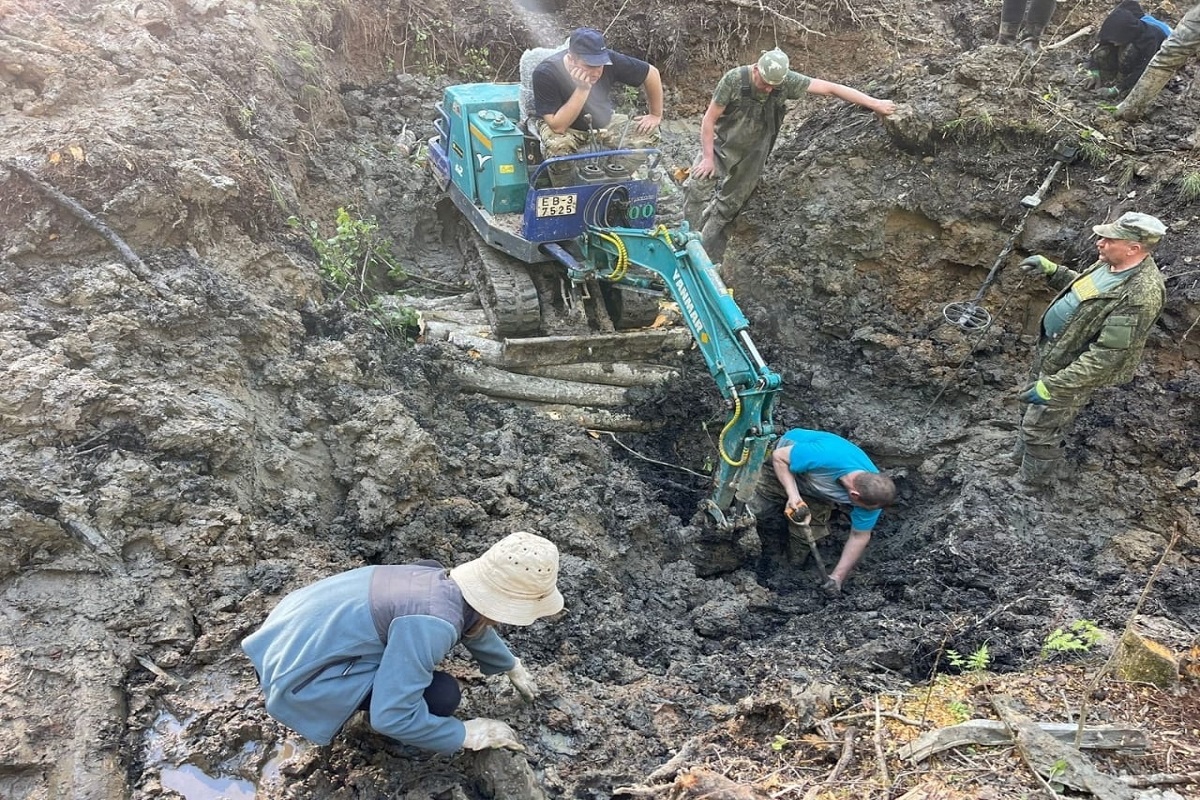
column 508, row 295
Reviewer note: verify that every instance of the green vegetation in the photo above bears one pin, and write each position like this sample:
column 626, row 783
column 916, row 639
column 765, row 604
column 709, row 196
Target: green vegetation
column 979, row 124
column 975, row 662
column 1078, row 637
column 1188, row 186
column 358, row 262
column 960, row 710
column 475, row 64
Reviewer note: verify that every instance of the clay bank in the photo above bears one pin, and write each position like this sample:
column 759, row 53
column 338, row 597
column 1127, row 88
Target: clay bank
column 198, row 417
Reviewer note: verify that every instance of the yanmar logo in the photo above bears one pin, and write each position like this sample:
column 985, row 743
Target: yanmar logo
column 689, row 307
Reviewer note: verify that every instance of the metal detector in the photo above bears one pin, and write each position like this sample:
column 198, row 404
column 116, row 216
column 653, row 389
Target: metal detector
column 970, row 316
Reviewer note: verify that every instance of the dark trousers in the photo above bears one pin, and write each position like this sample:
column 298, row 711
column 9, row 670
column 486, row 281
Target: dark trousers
column 1035, row 13
column 442, row 696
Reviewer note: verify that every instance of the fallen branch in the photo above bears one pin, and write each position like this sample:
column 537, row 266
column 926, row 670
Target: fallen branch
column 136, row 265
column 1159, row 779
column 842, row 763
column 668, row 771
column 1050, row 759
column 758, row 6
column 884, row 780
column 992, row 733
column 1084, row 31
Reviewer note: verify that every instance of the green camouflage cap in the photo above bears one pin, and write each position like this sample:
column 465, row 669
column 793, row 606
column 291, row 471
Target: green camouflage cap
column 773, row 66
column 1133, row 226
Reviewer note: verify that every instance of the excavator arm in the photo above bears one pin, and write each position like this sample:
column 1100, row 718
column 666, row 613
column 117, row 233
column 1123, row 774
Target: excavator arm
column 677, row 264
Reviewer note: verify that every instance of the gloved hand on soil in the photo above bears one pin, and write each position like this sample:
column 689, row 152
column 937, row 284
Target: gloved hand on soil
column 487, row 734
column 1038, row 265
column 1035, row 394
column 832, row 587
column 798, row 513
column 523, row 682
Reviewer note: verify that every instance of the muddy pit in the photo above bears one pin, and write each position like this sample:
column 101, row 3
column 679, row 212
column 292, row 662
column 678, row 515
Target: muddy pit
column 189, row 438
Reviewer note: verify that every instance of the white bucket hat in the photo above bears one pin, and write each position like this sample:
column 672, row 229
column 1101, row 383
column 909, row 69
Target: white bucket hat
column 514, row 581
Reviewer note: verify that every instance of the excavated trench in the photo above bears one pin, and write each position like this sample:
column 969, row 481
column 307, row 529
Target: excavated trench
column 178, row 458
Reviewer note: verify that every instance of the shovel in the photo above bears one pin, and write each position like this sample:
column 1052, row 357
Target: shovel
column 806, row 531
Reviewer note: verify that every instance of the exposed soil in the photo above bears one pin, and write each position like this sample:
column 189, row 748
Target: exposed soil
column 190, row 436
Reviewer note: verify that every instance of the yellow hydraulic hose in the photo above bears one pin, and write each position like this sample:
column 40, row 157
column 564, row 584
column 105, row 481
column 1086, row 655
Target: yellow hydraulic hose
column 737, row 412
column 622, row 265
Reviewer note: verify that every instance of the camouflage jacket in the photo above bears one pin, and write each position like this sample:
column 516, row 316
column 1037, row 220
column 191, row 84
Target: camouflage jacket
column 1103, row 341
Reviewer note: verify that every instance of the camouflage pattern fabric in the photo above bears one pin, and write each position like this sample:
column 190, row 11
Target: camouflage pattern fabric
column 1043, row 428
column 576, row 141
column 1182, row 44
column 1103, row 342
column 1101, row 346
column 745, row 134
column 770, row 499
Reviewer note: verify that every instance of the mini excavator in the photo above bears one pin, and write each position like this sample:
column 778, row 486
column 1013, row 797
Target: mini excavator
column 592, row 255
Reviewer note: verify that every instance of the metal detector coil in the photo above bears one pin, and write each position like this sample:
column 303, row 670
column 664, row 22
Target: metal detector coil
column 969, row 315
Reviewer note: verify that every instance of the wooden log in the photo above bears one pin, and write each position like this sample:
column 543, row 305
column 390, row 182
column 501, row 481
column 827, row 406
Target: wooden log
column 489, row 351
column 511, row 386
column 618, row 374
column 631, row 346
column 1054, row 761
column 993, row 733
column 595, row 419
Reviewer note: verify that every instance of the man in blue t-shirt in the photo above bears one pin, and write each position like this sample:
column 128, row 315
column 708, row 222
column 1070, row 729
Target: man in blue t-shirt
column 573, row 100
column 808, row 473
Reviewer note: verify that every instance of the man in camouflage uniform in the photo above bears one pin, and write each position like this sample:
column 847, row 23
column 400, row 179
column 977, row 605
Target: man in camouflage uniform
column 1035, row 14
column 1092, row 335
column 1182, row 44
column 737, row 134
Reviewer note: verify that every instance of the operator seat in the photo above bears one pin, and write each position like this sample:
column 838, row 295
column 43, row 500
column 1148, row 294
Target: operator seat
column 529, row 61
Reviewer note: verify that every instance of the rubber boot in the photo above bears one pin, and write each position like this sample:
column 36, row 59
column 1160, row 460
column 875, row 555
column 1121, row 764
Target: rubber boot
column 1038, row 471
column 1008, row 33
column 1134, row 106
column 1031, row 43
column 1018, row 452
column 712, row 236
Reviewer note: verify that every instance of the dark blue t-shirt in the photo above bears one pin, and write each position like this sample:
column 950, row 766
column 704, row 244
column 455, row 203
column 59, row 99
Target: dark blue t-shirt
column 553, row 86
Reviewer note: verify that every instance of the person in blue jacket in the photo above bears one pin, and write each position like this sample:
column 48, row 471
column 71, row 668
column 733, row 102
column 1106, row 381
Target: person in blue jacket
column 370, row 639
column 1127, row 41
column 807, row 474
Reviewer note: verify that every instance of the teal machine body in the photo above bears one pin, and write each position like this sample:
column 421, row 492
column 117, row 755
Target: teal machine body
column 487, row 149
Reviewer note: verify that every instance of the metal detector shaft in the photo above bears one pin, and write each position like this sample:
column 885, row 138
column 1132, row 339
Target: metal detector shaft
column 969, row 315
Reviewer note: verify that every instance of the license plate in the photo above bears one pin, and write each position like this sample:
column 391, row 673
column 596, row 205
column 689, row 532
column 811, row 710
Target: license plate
column 556, row 205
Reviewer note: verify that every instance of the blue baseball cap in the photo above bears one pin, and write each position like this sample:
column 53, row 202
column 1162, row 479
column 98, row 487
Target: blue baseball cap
column 587, row 45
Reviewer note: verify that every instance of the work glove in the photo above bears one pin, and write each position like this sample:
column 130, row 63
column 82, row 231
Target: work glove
column 798, row 514
column 487, row 734
column 1093, row 79
column 1035, row 394
column 1038, row 265
column 832, row 587
column 523, row 682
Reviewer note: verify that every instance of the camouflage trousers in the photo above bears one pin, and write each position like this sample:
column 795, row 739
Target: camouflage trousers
column 616, row 135
column 768, row 503
column 1181, row 45
column 1043, row 428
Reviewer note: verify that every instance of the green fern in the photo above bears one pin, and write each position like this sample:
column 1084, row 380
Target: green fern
column 1079, row 637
